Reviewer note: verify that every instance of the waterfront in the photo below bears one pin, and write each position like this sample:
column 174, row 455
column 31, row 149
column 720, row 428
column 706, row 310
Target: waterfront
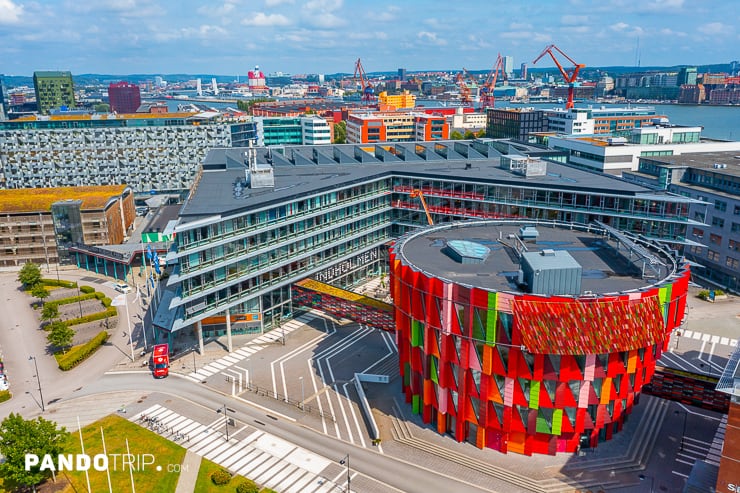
column 719, row 122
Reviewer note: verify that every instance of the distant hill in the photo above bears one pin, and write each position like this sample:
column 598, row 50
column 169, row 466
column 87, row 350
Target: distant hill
column 10, row 81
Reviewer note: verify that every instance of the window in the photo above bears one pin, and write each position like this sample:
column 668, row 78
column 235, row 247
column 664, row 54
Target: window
column 718, row 221
column 716, row 239
column 699, row 233
column 720, row 205
column 696, row 250
column 735, row 228
column 734, row 245
column 712, row 255
column 737, row 210
column 732, row 263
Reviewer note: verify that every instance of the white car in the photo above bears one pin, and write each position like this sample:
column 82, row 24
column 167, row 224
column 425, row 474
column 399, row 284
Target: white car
column 4, row 383
column 122, row 287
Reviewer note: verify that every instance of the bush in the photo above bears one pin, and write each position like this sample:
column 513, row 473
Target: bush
column 72, row 299
column 87, row 289
column 5, row 395
column 78, row 354
column 247, row 486
column 221, row 477
column 110, row 312
column 704, row 293
column 267, row 490
column 60, row 283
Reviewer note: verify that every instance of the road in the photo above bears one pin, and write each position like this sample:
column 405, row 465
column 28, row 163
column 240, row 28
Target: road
column 390, row 471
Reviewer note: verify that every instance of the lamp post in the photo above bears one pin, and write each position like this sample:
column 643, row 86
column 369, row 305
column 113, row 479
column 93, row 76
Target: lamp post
column 303, row 396
column 226, row 418
column 345, row 460
column 194, row 368
column 652, row 479
column 685, row 416
column 38, row 379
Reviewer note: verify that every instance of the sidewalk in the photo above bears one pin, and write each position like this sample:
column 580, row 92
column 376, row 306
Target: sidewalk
column 188, row 472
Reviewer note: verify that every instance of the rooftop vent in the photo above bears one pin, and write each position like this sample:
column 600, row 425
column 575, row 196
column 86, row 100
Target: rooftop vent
column 528, row 233
column 548, row 252
column 719, row 166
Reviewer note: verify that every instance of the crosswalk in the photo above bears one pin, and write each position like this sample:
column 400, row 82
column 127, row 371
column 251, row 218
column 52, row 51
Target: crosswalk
column 227, row 365
column 710, row 338
column 264, row 458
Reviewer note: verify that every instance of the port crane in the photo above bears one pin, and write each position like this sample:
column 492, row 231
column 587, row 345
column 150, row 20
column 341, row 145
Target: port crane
column 570, row 77
column 368, row 92
column 486, row 91
column 465, row 93
column 416, row 193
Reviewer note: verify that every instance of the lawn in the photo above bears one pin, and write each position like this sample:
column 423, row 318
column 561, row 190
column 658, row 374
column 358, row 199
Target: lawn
column 144, row 446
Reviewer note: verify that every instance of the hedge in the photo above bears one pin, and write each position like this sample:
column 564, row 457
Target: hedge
column 221, row 477
column 87, row 289
column 60, row 283
column 78, row 354
column 110, row 312
column 73, row 299
column 248, row 486
column 5, row 395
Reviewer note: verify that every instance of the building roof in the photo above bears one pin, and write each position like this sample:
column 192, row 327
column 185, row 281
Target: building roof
column 702, row 160
column 297, row 173
column 40, row 199
column 52, row 73
column 605, row 270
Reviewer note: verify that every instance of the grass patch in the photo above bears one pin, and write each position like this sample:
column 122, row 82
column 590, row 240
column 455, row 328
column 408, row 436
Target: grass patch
column 204, row 484
column 4, row 396
column 77, row 354
column 140, row 441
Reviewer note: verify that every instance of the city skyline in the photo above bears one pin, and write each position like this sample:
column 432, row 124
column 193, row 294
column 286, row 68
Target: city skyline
column 327, row 36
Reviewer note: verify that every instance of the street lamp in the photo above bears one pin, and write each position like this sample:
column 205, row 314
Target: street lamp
column 41, row 395
column 685, row 416
column 223, row 410
column 652, row 479
column 345, row 460
column 303, row 396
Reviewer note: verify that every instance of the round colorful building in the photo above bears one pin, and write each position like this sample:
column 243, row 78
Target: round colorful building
column 531, row 338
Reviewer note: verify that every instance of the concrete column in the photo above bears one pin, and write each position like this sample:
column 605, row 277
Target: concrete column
column 228, row 330
column 199, row 330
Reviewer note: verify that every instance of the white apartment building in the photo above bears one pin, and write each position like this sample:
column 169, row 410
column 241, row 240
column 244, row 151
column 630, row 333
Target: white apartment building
column 574, row 122
column 153, row 152
column 467, row 121
column 315, row 131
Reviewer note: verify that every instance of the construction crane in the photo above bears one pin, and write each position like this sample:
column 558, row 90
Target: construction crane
column 462, row 79
column 418, row 193
column 486, row 91
column 368, row 93
column 570, row 77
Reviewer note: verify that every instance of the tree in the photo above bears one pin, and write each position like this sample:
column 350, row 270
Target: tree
column 456, row 135
column 101, row 108
column 39, row 291
column 60, row 334
column 481, row 133
column 29, row 275
column 50, row 312
column 19, row 437
column 340, row 132
column 469, row 135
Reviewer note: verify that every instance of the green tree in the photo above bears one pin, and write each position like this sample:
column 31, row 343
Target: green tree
column 469, row 135
column 60, row 335
column 101, row 108
column 39, row 291
column 340, row 132
column 19, row 437
column 50, row 312
column 29, row 275
column 481, row 133
column 456, row 135
column 247, row 105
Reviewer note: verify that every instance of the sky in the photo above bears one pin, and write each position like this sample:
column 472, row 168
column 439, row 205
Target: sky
column 226, row 37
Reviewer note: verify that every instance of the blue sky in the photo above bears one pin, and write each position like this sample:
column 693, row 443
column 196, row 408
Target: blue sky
column 326, row 36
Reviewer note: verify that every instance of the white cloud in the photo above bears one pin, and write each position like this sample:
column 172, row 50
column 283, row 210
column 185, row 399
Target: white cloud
column 573, row 20
column 715, row 28
column 619, row 26
column 660, row 6
column 260, row 19
column 10, row 13
column 217, row 10
column 371, row 35
column 430, row 38
column 516, row 34
column 520, row 26
column 671, row 32
column 275, row 3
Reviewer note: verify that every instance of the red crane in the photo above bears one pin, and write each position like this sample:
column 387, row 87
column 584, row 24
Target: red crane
column 570, row 77
column 368, row 93
column 462, row 79
column 486, row 91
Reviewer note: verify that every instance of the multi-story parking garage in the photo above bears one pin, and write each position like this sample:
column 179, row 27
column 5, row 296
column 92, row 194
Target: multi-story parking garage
column 239, row 247
column 531, row 340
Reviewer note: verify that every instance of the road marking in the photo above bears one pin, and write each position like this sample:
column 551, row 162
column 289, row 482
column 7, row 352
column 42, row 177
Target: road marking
column 680, row 474
column 724, row 341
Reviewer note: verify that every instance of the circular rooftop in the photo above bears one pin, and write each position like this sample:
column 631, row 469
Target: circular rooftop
column 545, row 258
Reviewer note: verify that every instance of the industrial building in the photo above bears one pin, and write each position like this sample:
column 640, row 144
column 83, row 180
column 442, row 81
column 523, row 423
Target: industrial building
column 239, row 248
column 53, row 90
column 713, row 179
column 145, row 151
column 40, row 225
column 531, row 339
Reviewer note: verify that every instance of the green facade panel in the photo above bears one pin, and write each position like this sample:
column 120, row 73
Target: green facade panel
column 491, row 319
